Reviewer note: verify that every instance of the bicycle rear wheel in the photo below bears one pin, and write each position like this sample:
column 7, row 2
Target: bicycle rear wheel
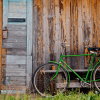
column 42, row 77
column 96, row 76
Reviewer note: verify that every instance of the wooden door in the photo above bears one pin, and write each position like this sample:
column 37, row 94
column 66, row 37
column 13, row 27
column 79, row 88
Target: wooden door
column 17, row 59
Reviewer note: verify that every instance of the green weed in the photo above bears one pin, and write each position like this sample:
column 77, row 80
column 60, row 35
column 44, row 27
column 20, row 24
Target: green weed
column 69, row 95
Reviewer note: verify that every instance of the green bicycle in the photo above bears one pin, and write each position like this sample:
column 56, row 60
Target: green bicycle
column 53, row 77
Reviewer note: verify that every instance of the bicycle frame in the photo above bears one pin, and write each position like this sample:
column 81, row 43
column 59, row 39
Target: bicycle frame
column 61, row 61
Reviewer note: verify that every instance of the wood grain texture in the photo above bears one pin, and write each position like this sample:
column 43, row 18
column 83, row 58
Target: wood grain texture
column 29, row 72
column 78, row 22
column 15, row 37
column 29, row 26
column 5, row 13
column 11, row 59
column 57, row 30
column 14, row 62
column 80, row 35
column 18, row 0
column 35, row 30
column 18, row 27
column 45, row 32
column 15, row 66
column 67, row 38
column 17, row 10
column 1, row 20
column 15, row 73
column 39, row 33
column 17, row 6
column 14, row 45
column 29, row 42
column 17, row 15
column 17, row 51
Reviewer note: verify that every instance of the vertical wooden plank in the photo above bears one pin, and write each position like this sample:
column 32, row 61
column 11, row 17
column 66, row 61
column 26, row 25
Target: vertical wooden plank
column 51, row 28
column 93, row 23
column 57, row 30
column 39, row 33
column 72, row 32
column 90, row 14
column 84, row 26
column 76, row 35
column 95, row 39
column 29, row 26
column 80, row 35
column 68, row 28
column 63, row 35
column 98, row 21
column 45, row 32
column 35, row 29
column 1, row 15
column 29, row 40
column 5, row 20
column 5, row 13
column 29, row 73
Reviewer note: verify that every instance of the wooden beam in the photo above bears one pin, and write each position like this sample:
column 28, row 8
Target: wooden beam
column 68, row 29
column 80, row 35
column 5, row 13
column 29, row 42
column 45, row 32
column 1, row 14
column 76, row 70
column 57, row 30
column 35, row 29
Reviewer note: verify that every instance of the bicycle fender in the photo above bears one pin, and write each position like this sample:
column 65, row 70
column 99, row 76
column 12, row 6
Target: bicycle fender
column 93, row 69
column 64, row 67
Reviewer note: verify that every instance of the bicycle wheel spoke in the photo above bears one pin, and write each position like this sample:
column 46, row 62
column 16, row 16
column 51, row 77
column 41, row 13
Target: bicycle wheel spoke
column 96, row 76
column 43, row 83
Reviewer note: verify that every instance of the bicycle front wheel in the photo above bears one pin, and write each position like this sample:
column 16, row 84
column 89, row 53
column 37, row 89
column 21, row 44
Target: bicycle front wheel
column 42, row 80
column 96, row 76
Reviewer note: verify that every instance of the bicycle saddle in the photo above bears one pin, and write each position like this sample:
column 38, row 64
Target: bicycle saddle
column 93, row 49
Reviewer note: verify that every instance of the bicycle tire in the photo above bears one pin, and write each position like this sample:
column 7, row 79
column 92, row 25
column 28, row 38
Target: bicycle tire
column 42, row 77
column 96, row 75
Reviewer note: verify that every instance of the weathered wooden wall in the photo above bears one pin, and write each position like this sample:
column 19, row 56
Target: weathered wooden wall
column 76, row 22
column 14, row 52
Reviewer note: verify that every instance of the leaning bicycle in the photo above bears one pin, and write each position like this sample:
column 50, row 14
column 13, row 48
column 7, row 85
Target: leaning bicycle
column 53, row 77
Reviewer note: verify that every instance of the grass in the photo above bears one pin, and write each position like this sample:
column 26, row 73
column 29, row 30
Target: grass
column 15, row 97
column 74, row 95
column 70, row 95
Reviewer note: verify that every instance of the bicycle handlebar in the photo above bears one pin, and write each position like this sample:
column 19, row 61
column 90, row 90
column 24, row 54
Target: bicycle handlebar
column 92, row 50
